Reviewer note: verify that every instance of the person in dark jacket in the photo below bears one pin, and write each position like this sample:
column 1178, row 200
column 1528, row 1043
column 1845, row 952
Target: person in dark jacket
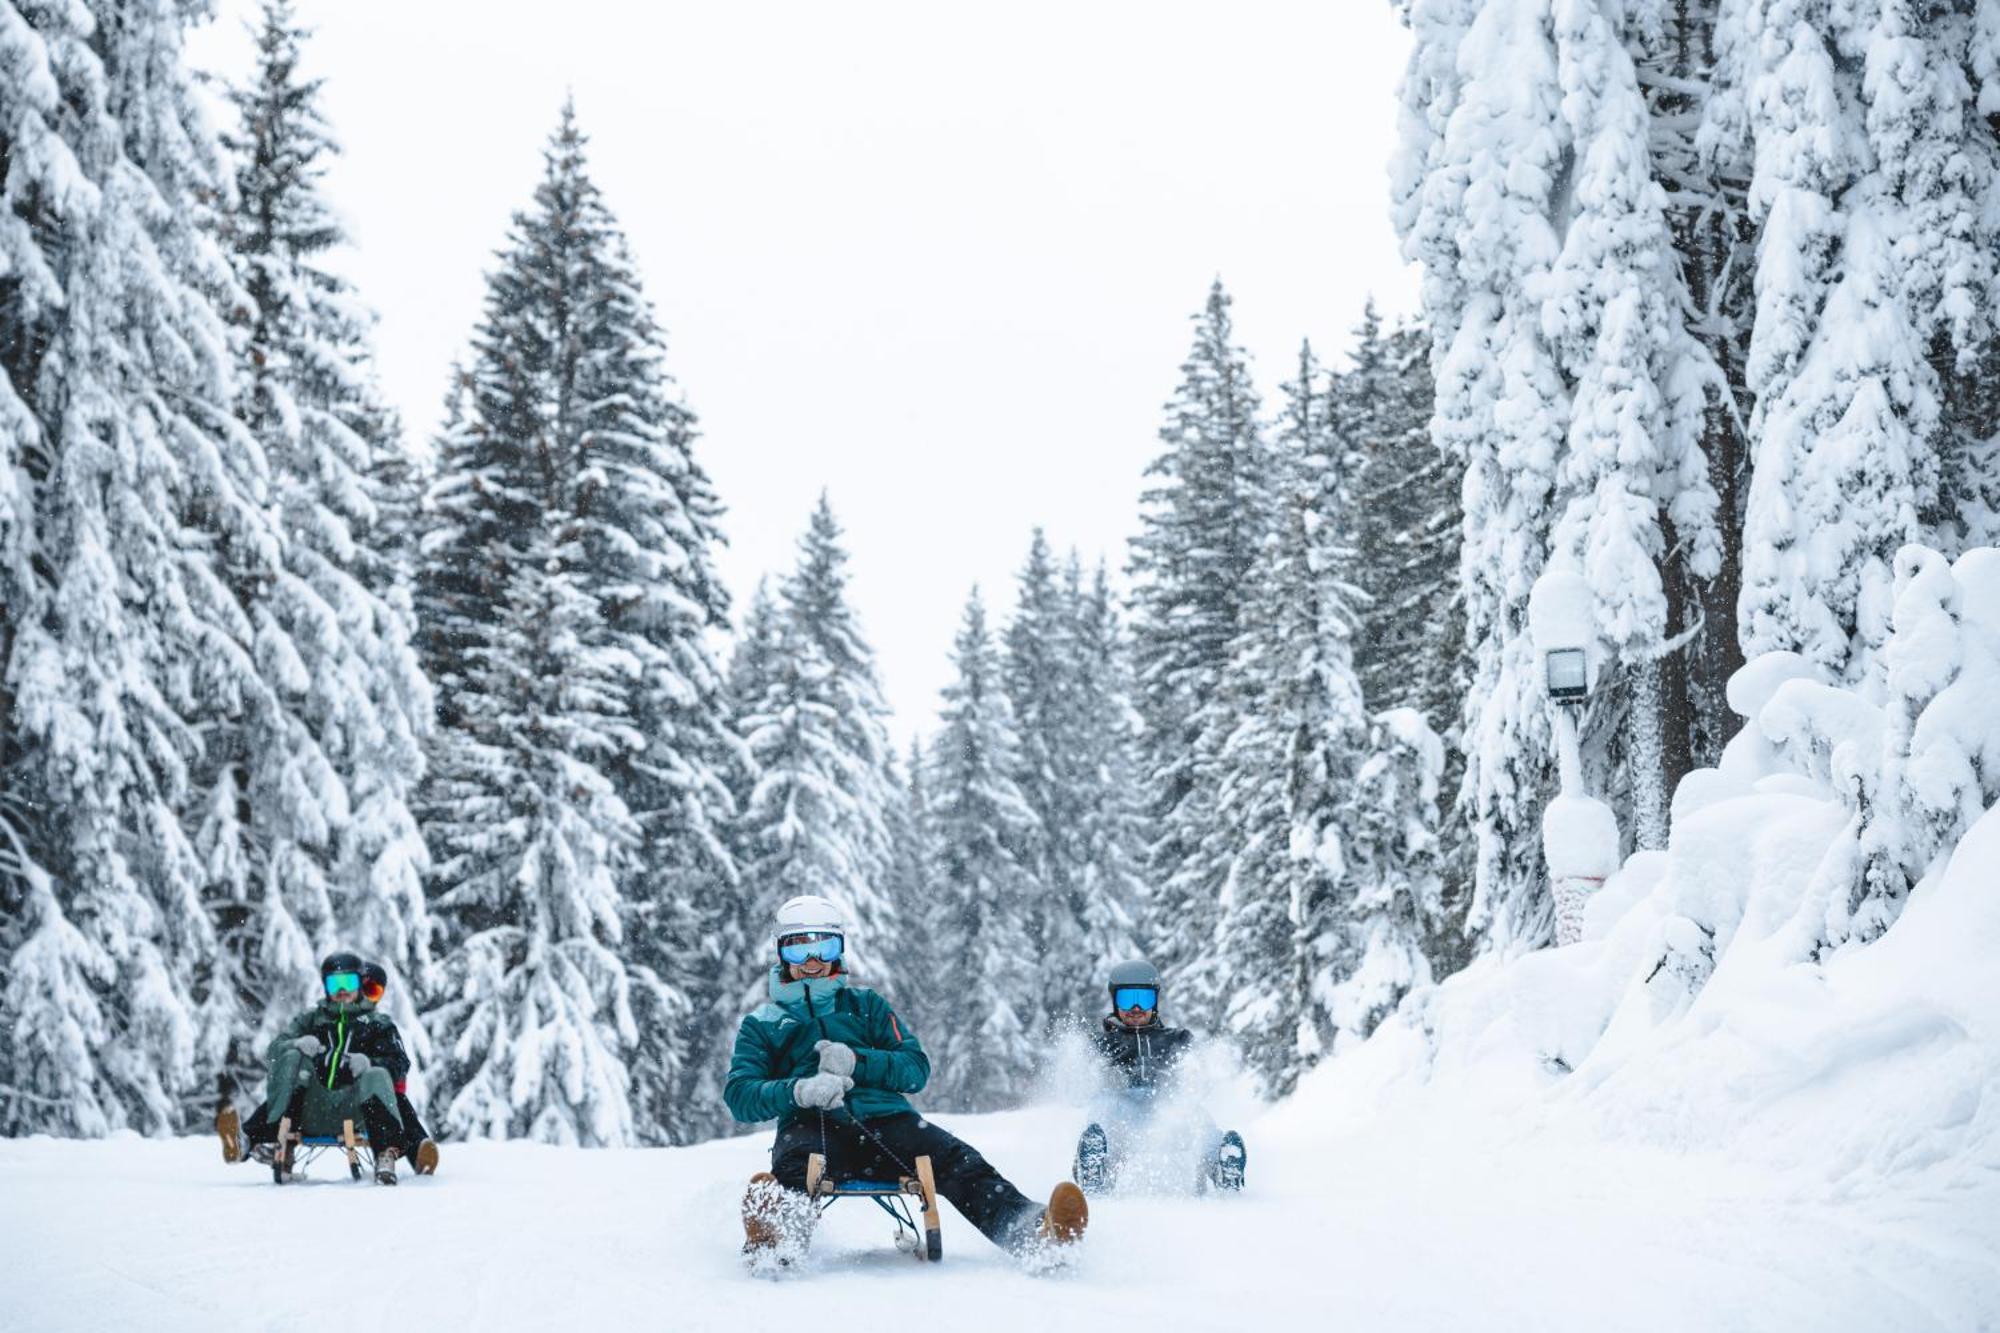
column 1141, row 1050
column 324, row 1070
column 834, row 1064
column 415, row 1144
column 1144, row 1057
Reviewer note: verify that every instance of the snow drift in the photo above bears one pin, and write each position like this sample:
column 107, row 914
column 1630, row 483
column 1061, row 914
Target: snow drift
column 1806, row 978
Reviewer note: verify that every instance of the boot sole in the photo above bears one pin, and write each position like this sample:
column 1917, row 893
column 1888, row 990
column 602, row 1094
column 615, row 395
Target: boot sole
column 1068, row 1215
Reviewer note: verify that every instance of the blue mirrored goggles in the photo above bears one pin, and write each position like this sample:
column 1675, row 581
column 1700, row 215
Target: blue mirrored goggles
column 797, row 948
column 1135, row 997
column 337, row 982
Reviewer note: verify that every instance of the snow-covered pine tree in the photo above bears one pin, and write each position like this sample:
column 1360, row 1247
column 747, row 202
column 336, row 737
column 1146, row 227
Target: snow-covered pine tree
column 1674, row 51
column 123, row 477
column 1866, row 131
column 1109, row 819
column 309, row 837
column 1191, row 568
column 568, row 578
column 1392, row 862
column 646, row 525
column 811, row 714
column 1405, row 529
column 1570, row 386
column 1296, row 733
column 922, row 993
column 1633, row 482
column 980, row 827
column 739, row 951
column 1039, row 673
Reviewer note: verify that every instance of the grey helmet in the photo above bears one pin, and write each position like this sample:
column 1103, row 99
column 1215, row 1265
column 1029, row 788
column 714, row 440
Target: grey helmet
column 1138, row 972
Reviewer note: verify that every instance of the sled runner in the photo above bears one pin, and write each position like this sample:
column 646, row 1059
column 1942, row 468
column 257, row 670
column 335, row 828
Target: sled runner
column 893, row 1198
column 295, row 1150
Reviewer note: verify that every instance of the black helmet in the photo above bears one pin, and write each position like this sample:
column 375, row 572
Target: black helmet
column 339, row 961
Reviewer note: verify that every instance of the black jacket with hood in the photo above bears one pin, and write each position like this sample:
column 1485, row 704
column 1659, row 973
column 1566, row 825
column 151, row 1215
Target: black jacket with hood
column 1145, row 1056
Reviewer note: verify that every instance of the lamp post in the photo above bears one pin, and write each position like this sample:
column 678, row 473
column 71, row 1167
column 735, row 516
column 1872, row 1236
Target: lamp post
column 1579, row 833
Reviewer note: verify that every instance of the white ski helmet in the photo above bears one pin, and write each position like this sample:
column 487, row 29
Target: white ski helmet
column 806, row 915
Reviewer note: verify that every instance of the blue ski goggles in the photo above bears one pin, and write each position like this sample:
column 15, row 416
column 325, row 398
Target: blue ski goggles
column 795, row 949
column 1135, row 997
column 336, row 982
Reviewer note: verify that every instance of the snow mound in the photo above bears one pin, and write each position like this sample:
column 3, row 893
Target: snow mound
column 1807, row 979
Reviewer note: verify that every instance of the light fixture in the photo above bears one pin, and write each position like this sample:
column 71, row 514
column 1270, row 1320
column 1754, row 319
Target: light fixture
column 1568, row 675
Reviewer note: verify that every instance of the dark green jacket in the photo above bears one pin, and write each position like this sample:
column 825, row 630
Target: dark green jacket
column 774, row 1050
column 344, row 1029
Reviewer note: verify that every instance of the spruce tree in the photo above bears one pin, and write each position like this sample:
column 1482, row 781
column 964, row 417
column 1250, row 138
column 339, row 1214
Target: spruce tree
column 1392, row 858
column 923, row 992
column 1570, row 385
column 124, row 486
column 1107, row 820
column 308, row 835
column 1297, row 732
column 1872, row 163
column 1405, row 529
column 1041, row 676
column 811, row 716
column 980, row 827
column 1403, row 525
column 581, row 788
column 1191, row 568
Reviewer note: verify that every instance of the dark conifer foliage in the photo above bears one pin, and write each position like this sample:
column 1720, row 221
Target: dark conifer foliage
column 1205, row 515
column 307, row 830
column 980, row 833
column 583, row 781
column 810, row 711
column 133, row 508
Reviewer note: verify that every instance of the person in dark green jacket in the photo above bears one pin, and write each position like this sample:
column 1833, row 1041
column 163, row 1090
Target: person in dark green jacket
column 835, row 1066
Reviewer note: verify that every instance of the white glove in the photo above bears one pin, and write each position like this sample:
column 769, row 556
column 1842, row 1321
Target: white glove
column 308, row 1046
column 835, row 1058
column 357, row 1064
column 821, row 1091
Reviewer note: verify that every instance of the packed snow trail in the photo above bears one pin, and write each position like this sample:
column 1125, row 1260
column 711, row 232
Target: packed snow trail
column 1403, row 1228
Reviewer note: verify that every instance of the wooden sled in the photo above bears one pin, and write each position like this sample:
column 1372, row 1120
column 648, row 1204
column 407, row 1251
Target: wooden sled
column 296, row 1149
column 926, row 1241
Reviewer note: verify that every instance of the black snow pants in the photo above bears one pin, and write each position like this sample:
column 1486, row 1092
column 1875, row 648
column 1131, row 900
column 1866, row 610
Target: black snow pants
column 414, row 1133
column 1002, row 1213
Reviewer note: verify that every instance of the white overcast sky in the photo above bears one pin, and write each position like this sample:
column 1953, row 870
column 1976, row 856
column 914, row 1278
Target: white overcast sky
column 937, row 258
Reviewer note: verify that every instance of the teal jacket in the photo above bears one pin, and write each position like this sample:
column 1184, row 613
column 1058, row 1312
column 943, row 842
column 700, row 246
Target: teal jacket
column 774, row 1050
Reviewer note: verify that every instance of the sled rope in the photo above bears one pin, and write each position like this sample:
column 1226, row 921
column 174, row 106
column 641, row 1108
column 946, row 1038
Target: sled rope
column 824, row 1150
column 862, row 1125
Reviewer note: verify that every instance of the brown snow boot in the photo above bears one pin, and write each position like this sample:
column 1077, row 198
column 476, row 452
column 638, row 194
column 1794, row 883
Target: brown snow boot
column 763, row 1207
column 230, row 1129
column 426, row 1160
column 1066, row 1216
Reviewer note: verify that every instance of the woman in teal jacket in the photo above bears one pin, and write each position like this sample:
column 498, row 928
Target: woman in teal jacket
column 834, row 1065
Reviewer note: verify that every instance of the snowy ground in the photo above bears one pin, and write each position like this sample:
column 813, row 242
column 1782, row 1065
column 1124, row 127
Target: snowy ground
column 1401, row 1227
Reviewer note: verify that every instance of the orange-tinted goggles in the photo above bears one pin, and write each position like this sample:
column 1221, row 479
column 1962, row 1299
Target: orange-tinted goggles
column 373, row 990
